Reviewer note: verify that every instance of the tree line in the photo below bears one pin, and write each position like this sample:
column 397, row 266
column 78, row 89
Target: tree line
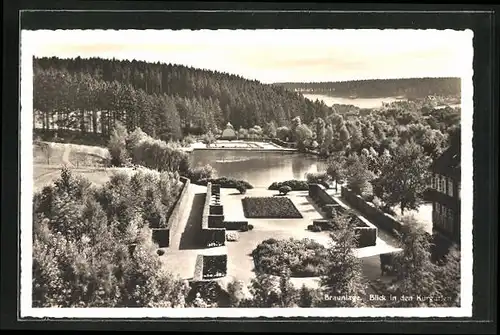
column 169, row 102
column 165, row 100
column 380, row 88
column 81, row 256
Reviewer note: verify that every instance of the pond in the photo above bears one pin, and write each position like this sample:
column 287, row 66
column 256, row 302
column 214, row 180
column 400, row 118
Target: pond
column 259, row 168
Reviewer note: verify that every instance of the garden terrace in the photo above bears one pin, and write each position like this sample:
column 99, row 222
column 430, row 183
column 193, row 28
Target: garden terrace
column 365, row 231
column 213, row 233
column 270, row 207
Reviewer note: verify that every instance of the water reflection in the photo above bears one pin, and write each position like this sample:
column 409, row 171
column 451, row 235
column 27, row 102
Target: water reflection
column 258, row 168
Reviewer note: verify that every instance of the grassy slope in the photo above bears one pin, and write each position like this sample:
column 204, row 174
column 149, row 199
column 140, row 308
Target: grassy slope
column 89, row 161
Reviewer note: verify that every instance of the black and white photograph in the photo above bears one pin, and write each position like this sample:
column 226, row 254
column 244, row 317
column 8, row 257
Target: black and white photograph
column 246, row 173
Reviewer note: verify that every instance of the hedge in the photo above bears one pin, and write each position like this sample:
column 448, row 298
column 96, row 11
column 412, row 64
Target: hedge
column 236, row 225
column 294, row 184
column 224, row 182
column 366, row 236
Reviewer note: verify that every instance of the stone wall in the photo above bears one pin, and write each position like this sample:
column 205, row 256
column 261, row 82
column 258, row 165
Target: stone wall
column 375, row 215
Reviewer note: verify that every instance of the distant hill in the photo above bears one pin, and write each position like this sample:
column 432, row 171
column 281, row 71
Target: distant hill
column 378, row 88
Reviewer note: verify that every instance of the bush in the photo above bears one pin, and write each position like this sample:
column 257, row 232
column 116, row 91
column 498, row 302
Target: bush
column 224, row 182
column 316, row 228
column 241, row 188
column 232, row 236
column 368, row 197
column 387, row 209
column 295, row 185
column 377, row 202
column 285, row 189
column 200, row 172
column 160, row 252
column 302, row 257
column 318, row 178
column 310, row 227
column 270, row 207
column 250, row 227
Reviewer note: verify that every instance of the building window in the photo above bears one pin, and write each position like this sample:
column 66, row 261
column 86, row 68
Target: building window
column 444, row 218
column 450, row 187
column 443, row 184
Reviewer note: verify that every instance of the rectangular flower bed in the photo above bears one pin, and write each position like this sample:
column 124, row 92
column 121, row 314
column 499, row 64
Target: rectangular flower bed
column 270, row 208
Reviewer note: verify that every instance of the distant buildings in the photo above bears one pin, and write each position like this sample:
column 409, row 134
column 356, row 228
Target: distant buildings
column 445, row 193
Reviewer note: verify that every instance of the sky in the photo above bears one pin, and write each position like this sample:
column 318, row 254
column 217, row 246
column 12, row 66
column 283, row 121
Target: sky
column 273, row 55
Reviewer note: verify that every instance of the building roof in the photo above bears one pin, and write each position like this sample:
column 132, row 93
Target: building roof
column 448, row 164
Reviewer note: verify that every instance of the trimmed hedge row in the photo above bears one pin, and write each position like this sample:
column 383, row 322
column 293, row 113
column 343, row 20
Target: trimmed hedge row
column 294, row 184
column 236, row 225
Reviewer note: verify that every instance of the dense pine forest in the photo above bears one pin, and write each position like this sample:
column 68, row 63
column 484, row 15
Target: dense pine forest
column 409, row 88
column 165, row 100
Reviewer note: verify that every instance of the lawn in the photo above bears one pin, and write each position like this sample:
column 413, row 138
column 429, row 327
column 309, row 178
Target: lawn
column 270, row 208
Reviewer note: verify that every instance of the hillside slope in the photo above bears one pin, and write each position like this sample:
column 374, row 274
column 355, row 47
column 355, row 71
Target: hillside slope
column 380, row 88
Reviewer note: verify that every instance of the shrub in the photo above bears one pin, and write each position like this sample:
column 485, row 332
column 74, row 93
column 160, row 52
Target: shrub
column 160, row 252
column 318, row 178
column 377, row 202
column 302, row 257
column 368, row 197
column 200, row 172
column 224, row 182
column 285, row 189
column 310, row 227
column 295, row 185
column 387, row 209
column 270, row 207
column 241, row 188
column 250, row 227
column 316, row 228
column 232, row 236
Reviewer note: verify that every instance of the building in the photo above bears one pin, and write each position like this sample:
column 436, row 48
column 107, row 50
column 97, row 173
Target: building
column 445, row 193
column 228, row 133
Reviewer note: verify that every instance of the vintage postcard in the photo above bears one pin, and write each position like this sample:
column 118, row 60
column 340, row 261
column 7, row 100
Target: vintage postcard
column 246, row 173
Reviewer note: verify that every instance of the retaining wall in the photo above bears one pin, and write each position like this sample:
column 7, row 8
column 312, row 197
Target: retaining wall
column 375, row 215
column 365, row 231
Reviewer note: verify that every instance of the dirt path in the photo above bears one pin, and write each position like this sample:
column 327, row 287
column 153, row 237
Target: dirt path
column 65, row 155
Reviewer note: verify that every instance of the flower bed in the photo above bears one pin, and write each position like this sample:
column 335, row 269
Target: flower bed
column 270, row 207
column 214, row 266
column 304, row 258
